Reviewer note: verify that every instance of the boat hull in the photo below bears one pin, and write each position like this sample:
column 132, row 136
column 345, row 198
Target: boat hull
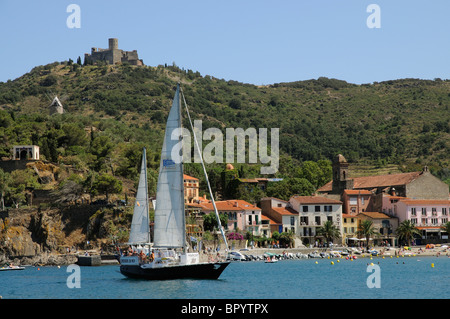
column 194, row 271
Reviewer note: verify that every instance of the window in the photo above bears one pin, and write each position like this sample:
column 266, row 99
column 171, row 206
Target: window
column 424, row 211
column 433, row 211
column 327, row 208
column 292, row 221
column 353, row 200
column 362, row 200
column 317, row 209
column 414, row 221
column 413, row 211
column 305, row 209
column 345, row 230
column 330, row 218
column 434, row 221
column 444, row 210
column 317, row 219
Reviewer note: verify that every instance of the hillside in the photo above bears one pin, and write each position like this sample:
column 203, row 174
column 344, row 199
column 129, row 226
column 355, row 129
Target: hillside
column 112, row 111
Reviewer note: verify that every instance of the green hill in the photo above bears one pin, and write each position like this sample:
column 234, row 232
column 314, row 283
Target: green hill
column 112, row 111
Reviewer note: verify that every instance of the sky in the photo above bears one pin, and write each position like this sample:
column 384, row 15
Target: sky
column 258, row 42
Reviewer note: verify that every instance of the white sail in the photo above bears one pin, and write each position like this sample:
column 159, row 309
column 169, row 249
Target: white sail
column 169, row 228
column 140, row 229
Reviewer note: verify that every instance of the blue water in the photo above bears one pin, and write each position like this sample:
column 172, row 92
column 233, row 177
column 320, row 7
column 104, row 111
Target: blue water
column 400, row 278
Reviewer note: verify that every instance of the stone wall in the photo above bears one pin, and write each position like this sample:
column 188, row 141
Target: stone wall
column 427, row 186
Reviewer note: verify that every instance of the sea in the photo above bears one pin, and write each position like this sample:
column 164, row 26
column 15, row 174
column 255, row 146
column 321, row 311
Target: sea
column 377, row 278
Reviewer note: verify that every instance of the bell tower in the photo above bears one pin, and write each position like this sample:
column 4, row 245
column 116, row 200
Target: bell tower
column 341, row 180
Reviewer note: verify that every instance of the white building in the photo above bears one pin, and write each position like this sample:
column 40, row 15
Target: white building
column 313, row 212
column 26, row 152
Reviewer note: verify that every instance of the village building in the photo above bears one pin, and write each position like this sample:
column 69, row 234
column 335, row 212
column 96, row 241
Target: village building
column 428, row 215
column 283, row 218
column 350, row 224
column 313, row 212
column 383, row 225
column 241, row 215
column 191, row 189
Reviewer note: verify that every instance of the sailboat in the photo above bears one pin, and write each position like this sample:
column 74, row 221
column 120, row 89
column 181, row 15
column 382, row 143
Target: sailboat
column 167, row 256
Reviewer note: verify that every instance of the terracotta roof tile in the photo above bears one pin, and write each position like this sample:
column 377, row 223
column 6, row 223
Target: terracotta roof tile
column 378, row 181
column 438, row 202
column 315, row 200
column 285, row 210
column 357, row 192
column 375, row 215
column 189, row 177
column 231, row 205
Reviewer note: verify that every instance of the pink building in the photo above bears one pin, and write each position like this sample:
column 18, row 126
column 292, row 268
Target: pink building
column 427, row 214
column 241, row 215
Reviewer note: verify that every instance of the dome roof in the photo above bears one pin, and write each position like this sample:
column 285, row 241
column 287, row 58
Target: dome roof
column 340, row 159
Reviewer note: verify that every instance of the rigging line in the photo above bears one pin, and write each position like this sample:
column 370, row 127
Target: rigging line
column 204, row 170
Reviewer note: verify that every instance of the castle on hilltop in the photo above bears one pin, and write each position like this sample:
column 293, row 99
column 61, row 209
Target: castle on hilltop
column 113, row 55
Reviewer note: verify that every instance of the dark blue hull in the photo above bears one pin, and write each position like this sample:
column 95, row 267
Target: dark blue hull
column 195, row 271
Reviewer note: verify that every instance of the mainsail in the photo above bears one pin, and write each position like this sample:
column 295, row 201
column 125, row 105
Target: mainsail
column 140, row 229
column 169, row 228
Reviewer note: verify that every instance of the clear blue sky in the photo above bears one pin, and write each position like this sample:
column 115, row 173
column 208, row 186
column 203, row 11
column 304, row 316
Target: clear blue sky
column 258, row 42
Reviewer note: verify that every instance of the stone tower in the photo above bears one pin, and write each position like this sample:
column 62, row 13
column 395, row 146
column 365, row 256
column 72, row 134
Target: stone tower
column 341, row 180
column 56, row 107
column 113, row 43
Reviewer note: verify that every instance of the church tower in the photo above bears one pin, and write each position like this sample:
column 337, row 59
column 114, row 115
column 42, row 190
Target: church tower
column 341, row 180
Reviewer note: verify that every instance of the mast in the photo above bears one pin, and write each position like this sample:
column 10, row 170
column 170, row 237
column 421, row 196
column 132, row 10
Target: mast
column 206, row 174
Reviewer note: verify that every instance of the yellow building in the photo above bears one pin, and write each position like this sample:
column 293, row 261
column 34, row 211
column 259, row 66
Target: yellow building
column 350, row 227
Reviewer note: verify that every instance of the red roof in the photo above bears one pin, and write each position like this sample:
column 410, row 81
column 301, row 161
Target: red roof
column 285, row 211
column 375, row 215
column 231, row 205
column 315, row 200
column 377, row 181
column 189, row 177
column 439, row 202
column 357, row 192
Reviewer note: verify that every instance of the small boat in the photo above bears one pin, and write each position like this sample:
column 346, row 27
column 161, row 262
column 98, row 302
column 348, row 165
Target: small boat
column 271, row 260
column 11, row 268
column 167, row 257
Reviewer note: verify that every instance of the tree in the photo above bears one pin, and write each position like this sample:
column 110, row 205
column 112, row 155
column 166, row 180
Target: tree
column 5, row 180
column 210, row 221
column 107, row 184
column 67, row 192
column 287, row 239
column 366, row 230
column 406, row 231
column 288, row 187
column 329, row 231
